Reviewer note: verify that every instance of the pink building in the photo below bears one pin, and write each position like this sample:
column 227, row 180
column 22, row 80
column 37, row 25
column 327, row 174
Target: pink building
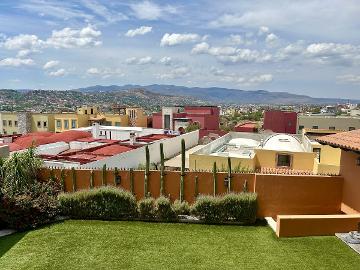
column 174, row 118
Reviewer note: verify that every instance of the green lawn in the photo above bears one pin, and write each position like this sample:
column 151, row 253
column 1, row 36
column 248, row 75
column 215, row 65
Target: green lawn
column 137, row 245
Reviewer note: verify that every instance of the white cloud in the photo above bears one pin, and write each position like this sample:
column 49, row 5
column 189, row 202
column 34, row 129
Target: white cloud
column 248, row 80
column 241, row 40
column 138, row 31
column 147, row 10
column 334, row 53
column 21, row 42
column 58, row 73
column 51, row 64
column 166, row 60
column 263, row 30
column 232, row 54
column 104, row 12
column 74, row 38
column 139, row 61
column 175, row 39
column 349, row 78
column 16, row 62
column 175, row 73
column 272, row 40
column 23, row 53
column 105, row 72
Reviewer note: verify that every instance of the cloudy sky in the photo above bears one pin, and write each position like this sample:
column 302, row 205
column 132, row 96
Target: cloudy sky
column 304, row 47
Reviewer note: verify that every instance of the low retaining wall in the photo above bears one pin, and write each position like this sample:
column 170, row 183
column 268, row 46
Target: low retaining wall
column 315, row 225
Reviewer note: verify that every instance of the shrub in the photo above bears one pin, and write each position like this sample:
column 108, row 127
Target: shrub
column 240, row 207
column 25, row 202
column 181, row 208
column 32, row 208
column 207, row 208
column 163, row 209
column 105, row 203
column 146, row 208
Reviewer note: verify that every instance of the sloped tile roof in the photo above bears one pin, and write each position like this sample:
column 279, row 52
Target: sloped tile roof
column 347, row 140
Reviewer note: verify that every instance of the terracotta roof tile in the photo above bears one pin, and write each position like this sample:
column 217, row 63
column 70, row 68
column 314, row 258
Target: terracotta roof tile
column 347, row 140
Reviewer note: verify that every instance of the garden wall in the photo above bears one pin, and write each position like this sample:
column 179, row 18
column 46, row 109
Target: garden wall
column 277, row 194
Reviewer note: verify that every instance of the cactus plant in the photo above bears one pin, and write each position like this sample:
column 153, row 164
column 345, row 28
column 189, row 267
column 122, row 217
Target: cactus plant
column 182, row 175
column 131, row 180
column 73, row 176
column 147, row 171
column 196, row 192
column 92, row 179
column 117, row 178
column 229, row 174
column 245, row 186
column 215, row 178
column 103, row 179
column 62, row 179
column 162, row 170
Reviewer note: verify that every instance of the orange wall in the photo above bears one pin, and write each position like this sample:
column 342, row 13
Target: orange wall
column 277, row 194
column 307, row 225
column 351, row 173
column 296, row 194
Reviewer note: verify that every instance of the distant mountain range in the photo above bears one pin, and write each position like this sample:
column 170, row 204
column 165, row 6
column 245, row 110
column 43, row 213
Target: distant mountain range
column 221, row 95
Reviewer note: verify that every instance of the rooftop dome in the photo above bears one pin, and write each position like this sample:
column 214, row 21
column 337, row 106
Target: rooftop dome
column 283, row 142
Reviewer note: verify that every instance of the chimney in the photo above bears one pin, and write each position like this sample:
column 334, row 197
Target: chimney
column 96, row 131
column 132, row 138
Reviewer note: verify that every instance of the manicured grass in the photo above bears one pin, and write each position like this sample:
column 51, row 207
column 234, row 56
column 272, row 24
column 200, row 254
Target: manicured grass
column 137, row 245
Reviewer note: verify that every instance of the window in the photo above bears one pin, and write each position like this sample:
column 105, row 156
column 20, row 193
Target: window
column 73, row 123
column 38, row 124
column 332, row 128
column 301, row 127
column 358, row 161
column 315, row 127
column 107, row 123
column 92, row 111
column 117, row 124
column 166, row 121
column 10, row 123
column 45, row 124
column 283, row 160
column 58, row 123
column 351, row 128
column 4, row 123
column 66, row 124
column 318, row 152
column 15, row 123
column 85, row 111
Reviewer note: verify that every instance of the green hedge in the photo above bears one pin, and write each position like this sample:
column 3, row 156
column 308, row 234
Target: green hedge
column 146, row 208
column 164, row 209
column 106, row 203
column 239, row 207
column 181, row 208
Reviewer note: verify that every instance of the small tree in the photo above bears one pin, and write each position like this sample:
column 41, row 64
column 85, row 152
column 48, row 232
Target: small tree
column 92, row 177
column 103, row 179
column 229, row 174
column 131, row 180
column 192, row 127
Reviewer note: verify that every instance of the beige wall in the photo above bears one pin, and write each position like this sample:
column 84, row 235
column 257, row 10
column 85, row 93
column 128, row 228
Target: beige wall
column 325, row 122
column 123, row 120
column 304, row 161
column 206, row 162
column 82, row 120
column 42, row 118
column 5, row 128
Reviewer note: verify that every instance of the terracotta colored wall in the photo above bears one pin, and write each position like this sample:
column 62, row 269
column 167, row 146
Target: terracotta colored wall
column 298, row 195
column 281, row 122
column 307, row 225
column 351, row 173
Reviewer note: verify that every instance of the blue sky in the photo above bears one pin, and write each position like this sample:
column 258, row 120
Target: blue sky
column 303, row 47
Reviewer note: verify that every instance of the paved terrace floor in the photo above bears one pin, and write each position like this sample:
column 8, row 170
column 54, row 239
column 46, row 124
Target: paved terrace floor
column 141, row 245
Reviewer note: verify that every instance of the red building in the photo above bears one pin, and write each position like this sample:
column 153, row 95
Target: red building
column 246, row 127
column 280, row 121
column 174, row 118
